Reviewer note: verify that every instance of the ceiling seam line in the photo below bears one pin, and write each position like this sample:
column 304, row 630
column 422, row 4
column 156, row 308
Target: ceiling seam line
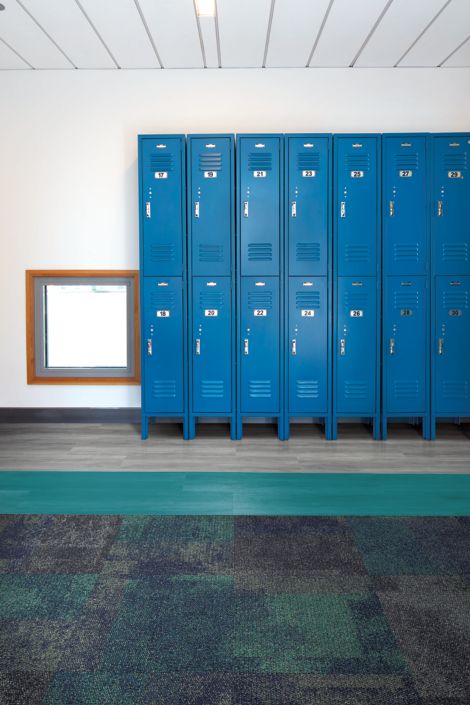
column 320, row 32
column 217, row 35
column 268, row 33
column 453, row 52
column 199, row 31
column 422, row 33
column 44, row 31
column 374, row 27
column 149, row 33
column 97, row 33
column 17, row 53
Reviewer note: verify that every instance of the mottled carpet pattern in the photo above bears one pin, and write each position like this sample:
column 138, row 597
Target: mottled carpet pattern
column 219, row 610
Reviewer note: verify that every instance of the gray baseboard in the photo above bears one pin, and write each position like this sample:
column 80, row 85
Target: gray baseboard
column 69, row 415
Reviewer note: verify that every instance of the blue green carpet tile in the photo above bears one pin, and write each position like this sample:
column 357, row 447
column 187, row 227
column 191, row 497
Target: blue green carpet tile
column 234, row 610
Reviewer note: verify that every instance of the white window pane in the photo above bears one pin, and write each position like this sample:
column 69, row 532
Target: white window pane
column 86, row 325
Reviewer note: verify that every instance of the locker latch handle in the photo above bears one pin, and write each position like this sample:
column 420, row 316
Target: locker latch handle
column 343, row 209
column 439, row 209
column 294, row 209
column 294, row 346
column 392, row 209
column 245, row 209
column 392, row 346
column 440, row 346
column 149, row 346
column 196, row 209
column 198, row 346
column 148, row 210
column 342, row 346
column 245, row 346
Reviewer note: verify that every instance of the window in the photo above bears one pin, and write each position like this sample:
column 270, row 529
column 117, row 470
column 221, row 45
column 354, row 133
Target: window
column 82, row 327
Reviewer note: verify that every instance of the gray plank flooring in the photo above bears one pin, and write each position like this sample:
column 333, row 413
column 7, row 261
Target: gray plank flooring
column 88, row 447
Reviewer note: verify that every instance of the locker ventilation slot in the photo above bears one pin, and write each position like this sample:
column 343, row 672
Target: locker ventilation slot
column 310, row 299
column 260, row 389
column 307, row 252
column 456, row 161
column 212, row 389
column 260, row 252
column 261, row 299
column 357, row 162
column 162, row 253
column 211, row 300
column 163, row 300
column 308, row 161
column 407, row 161
column 355, row 390
column 356, row 253
column 406, row 253
column 405, row 389
column 455, row 299
column 164, row 389
column 455, row 389
column 455, row 251
column 211, row 253
column 161, row 162
column 260, row 161
column 408, row 299
column 210, row 162
column 307, row 389
column 355, row 300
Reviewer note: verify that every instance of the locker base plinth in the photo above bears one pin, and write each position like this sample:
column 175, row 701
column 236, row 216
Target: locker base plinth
column 450, row 418
column 373, row 421
column 281, row 425
column 144, row 429
column 193, row 419
column 323, row 419
column 146, row 418
column 410, row 418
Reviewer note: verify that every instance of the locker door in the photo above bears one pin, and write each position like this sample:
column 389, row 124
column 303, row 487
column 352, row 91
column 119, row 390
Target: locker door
column 357, row 206
column 211, row 204
column 162, row 196
column 163, row 344
column 450, row 207
column 405, row 344
column 308, row 205
column 452, row 346
column 356, row 345
column 308, row 344
column 404, row 205
column 260, row 345
column 259, row 224
column 212, row 345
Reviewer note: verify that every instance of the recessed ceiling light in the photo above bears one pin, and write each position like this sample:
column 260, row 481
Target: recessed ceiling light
column 205, row 8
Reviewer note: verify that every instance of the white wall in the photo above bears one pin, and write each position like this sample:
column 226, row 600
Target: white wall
column 68, row 171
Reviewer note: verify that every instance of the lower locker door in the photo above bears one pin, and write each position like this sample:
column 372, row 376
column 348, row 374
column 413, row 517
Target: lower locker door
column 452, row 346
column 212, row 345
column 356, row 345
column 405, row 344
column 308, row 345
column 163, row 344
column 260, row 345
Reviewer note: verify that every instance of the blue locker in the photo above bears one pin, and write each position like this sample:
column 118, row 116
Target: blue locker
column 211, row 211
column 404, row 206
column 450, row 199
column 259, row 223
column 405, row 348
column 308, row 181
column 162, row 204
column 357, row 205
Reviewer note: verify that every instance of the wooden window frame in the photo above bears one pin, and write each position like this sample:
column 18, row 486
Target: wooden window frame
column 31, row 374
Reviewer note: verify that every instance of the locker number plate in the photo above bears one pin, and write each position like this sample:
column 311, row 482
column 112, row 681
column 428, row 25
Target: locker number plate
column 211, row 312
column 260, row 312
column 308, row 173
column 405, row 173
column 259, row 174
column 357, row 174
column 307, row 312
column 163, row 314
column 356, row 313
column 406, row 312
column 161, row 175
column 210, row 174
column 454, row 312
column 454, row 174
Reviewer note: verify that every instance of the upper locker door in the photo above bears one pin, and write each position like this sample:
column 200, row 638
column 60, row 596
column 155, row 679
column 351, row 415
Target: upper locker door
column 308, row 345
column 212, row 345
column 405, row 370
column 356, row 345
column 260, row 221
column 452, row 346
column 404, row 205
column 211, row 204
column 308, row 166
column 450, row 207
column 163, row 205
column 259, row 375
column 357, row 205
column 163, row 344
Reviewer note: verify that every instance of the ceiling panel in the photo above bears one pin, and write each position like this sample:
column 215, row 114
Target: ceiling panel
column 68, row 26
column 293, row 33
column 461, row 56
column 401, row 24
column 122, row 29
column 174, row 29
column 209, row 38
column 345, row 30
column 23, row 34
column 243, row 27
column 445, row 34
column 9, row 60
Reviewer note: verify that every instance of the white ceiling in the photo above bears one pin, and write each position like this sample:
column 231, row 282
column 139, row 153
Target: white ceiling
column 155, row 34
